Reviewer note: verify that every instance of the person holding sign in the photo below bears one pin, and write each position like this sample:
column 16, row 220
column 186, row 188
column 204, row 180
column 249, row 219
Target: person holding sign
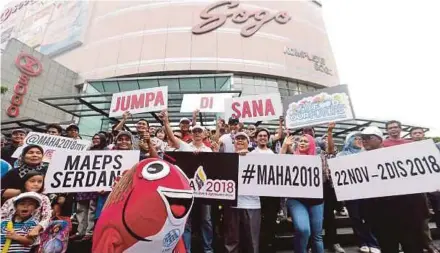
column 196, row 145
column 361, row 228
column 30, row 160
column 307, row 214
column 242, row 223
column 397, row 219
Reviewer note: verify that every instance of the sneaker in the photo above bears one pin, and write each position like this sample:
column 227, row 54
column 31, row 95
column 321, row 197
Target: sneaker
column 374, row 250
column 364, row 249
column 433, row 248
column 337, row 248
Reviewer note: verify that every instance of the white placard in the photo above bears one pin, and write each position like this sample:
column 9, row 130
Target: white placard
column 208, row 102
column 139, row 101
column 280, row 176
column 52, row 143
column 398, row 170
column 254, row 108
column 87, row 171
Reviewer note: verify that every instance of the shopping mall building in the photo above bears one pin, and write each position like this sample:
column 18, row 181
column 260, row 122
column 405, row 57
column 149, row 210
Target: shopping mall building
column 88, row 50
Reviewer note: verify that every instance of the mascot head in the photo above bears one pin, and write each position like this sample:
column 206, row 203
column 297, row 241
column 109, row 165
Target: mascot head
column 152, row 193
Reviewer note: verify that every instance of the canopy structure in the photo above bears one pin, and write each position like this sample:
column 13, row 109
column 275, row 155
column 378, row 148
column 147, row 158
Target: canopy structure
column 92, row 106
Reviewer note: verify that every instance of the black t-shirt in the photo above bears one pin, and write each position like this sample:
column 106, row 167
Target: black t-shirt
column 7, row 152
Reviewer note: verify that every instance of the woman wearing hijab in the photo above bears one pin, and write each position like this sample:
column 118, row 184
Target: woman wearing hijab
column 307, row 214
column 31, row 159
column 366, row 240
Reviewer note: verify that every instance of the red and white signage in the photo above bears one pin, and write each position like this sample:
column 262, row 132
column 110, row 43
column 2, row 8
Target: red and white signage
column 139, row 101
column 254, row 108
column 204, row 102
column 29, row 66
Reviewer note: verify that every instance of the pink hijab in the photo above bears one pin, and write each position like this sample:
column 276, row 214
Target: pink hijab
column 312, row 147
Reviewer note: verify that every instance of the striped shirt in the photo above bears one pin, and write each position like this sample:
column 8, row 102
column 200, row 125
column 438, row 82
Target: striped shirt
column 20, row 228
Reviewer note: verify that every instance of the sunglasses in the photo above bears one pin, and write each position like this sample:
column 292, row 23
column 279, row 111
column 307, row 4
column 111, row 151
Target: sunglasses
column 367, row 137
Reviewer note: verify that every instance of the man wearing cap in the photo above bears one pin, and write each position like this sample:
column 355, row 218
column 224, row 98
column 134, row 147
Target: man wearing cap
column 226, row 141
column 395, row 219
column 17, row 140
column 242, row 222
column 195, row 146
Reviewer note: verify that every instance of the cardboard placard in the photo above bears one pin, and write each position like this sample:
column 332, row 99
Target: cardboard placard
column 51, row 144
column 398, row 170
column 139, row 101
column 87, row 171
column 276, row 175
column 320, row 107
column 208, row 102
column 254, row 108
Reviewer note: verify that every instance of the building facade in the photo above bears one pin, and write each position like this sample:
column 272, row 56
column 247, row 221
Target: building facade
column 253, row 47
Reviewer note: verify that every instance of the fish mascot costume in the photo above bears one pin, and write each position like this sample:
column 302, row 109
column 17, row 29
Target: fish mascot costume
column 146, row 211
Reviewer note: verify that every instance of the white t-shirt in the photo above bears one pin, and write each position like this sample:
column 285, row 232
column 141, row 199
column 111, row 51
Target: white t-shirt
column 228, row 143
column 252, row 202
column 189, row 147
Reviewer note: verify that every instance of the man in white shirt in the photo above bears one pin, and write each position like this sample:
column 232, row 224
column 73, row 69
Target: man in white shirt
column 195, row 146
column 269, row 205
column 242, row 223
column 226, row 141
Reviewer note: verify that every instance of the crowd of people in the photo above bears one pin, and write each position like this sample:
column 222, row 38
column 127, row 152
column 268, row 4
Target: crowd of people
column 380, row 224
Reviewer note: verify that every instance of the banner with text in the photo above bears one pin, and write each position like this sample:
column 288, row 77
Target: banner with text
column 52, row 143
column 320, row 107
column 213, row 176
column 87, row 171
column 398, row 170
column 209, row 102
column 280, row 176
column 254, row 108
column 139, row 101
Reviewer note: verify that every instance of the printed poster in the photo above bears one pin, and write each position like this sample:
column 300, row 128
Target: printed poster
column 316, row 108
column 275, row 175
column 55, row 238
column 213, row 176
column 52, row 143
column 399, row 170
column 87, row 171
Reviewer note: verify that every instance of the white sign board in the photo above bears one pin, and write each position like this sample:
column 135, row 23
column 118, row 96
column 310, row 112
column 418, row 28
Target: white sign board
column 87, row 171
column 280, row 176
column 52, row 143
column 398, row 170
column 139, row 101
column 204, row 102
column 254, row 108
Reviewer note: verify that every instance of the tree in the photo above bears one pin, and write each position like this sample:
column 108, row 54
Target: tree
column 436, row 139
column 4, row 89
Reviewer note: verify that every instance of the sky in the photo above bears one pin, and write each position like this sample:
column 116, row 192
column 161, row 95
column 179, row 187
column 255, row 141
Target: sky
column 388, row 52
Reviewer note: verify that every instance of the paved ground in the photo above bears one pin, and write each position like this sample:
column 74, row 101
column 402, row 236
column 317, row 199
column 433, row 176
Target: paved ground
column 347, row 249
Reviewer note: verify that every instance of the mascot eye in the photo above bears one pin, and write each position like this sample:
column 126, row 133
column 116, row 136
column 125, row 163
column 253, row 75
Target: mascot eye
column 155, row 171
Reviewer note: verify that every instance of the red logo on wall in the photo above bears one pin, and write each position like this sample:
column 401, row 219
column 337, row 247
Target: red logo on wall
column 29, row 66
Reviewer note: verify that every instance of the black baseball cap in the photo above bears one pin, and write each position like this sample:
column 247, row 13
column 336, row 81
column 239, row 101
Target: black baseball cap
column 233, row 121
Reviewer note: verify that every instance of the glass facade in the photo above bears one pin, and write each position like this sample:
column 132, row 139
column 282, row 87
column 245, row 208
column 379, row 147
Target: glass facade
column 177, row 85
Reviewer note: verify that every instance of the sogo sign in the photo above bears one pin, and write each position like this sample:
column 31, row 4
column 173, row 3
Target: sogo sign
column 29, row 67
column 11, row 10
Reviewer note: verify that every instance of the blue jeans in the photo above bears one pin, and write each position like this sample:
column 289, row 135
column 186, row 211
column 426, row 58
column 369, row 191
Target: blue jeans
column 361, row 228
column 307, row 222
column 206, row 229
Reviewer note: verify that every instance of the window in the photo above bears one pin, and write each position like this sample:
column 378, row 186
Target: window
column 98, row 87
column 128, row 85
column 272, row 85
column 171, row 83
column 208, row 83
column 190, row 84
column 111, row 86
column 260, row 86
column 223, row 83
column 148, row 83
